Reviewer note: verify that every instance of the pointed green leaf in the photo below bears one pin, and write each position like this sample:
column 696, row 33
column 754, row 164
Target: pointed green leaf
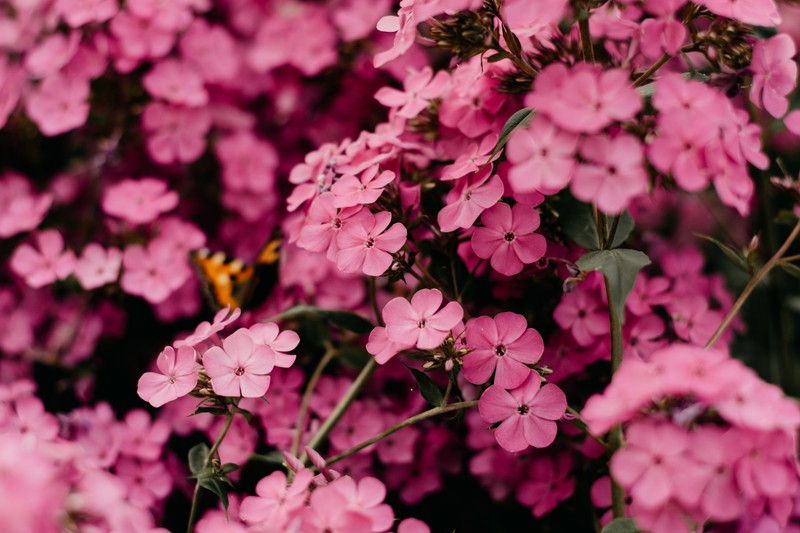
column 520, row 119
column 354, row 356
column 344, row 319
column 427, row 388
column 621, row 525
column 624, row 228
column 620, row 267
column 227, row 468
column 217, row 487
column 577, row 222
column 737, row 258
column 790, row 268
column 198, row 456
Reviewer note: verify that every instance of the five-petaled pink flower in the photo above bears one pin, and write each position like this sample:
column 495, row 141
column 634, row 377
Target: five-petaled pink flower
column 367, row 245
column 240, row 367
column 774, row 73
column 279, row 342
column 527, row 414
column 139, row 201
column 98, row 266
column 351, row 190
column 44, row 264
column 420, row 322
column 507, row 238
column 542, row 157
column 469, row 199
column 177, row 378
column 503, row 345
column 419, row 89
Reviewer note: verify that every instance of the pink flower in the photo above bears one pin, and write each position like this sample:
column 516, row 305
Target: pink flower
column 175, row 133
column 646, row 466
column 526, row 414
column 154, row 272
column 240, row 367
column 756, row 12
column 472, row 159
column 382, row 348
column 613, row 173
column 20, row 208
column 277, row 501
column 774, row 73
column 176, row 82
column 329, row 511
column 367, row 245
column 584, row 99
column 212, row 49
column 547, row 484
column 420, row 322
column 45, row 264
column 350, row 190
column 581, row 313
column 141, row 438
column 503, row 345
column 178, row 376
column 59, row 104
column 206, row 330
column 542, row 157
column 469, row 199
column 420, row 87
column 507, row 238
column 324, row 222
column 139, row 201
column 404, row 26
column 367, row 495
column 98, row 266
column 279, row 342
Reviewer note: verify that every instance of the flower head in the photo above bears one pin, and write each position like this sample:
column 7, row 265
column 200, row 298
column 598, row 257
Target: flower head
column 177, row 377
column 240, row 367
column 420, row 322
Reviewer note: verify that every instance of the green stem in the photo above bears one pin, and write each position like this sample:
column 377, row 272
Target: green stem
column 644, row 77
column 754, row 281
column 581, row 424
column 196, row 497
column 305, row 403
column 373, row 300
column 430, row 413
column 615, row 440
column 586, row 37
column 342, row 407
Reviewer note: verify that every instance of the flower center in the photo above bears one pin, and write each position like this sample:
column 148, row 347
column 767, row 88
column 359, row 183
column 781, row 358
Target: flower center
column 239, row 371
column 369, row 243
column 336, row 223
column 467, row 195
column 509, row 236
column 500, row 350
column 422, row 323
column 523, row 409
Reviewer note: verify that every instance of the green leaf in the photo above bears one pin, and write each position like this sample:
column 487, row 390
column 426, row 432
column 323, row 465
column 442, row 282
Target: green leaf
column 620, row 267
column 790, row 268
column 427, row 388
column 519, row 119
column 499, row 56
column 227, row 468
column 737, row 258
column 344, row 319
column 624, row 228
column 211, row 410
column 354, row 356
column 198, row 456
column 621, row 525
column 275, row 457
column 218, row 487
column 577, row 222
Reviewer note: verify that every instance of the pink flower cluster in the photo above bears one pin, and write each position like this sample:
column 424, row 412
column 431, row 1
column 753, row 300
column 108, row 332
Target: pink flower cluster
column 717, row 443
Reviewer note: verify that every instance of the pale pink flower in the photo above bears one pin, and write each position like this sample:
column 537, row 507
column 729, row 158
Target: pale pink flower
column 240, row 367
column 212, row 50
column 774, row 73
column 503, row 345
column 323, row 223
column 142, row 437
column 351, row 191
column 419, row 88
column 59, row 104
column 176, row 82
column 147, row 482
column 527, row 414
column 367, row 245
column 177, row 377
column 277, row 501
column 44, row 264
column 154, row 272
column 756, row 12
column 173, row 16
column 98, row 266
column 542, row 157
column 382, row 348
column 404, row 26
column 613, row 174
column 792, row 121
column 328, row 511
column 77, row 13
column 139, row 201
column 175, row 133
column 581, row 313
column 413, row 525
column 421, row 322
column 469, row 199
column 367, row 495
column 507, row 238
column 20, row 208
column 280, row 342
column 50, row 56
column 206, row 330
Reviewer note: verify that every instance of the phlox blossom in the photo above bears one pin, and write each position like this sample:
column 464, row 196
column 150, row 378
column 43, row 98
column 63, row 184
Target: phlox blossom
column 382, row 348
column 419, row 88
column 98, row 266
column 350, row 190
column 208, row 330
column 756, row 12
column 175, row 133
column 154, row 272
column 279, row 342
column 469, row 198
column 240, row 367
column 276, row 501
column 502, row 345
column 21, row 209
column 139, row 201
column 774, row 73
column 177, row 377
column 420, row 322
column 367, row 245
column 527, row 414
column 59, row 104
column 44, row 264
column 507, row 237
column 176, row 82
column 542, row 157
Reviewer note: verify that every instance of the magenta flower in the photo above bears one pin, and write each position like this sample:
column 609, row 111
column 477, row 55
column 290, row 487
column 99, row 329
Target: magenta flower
column 756, row 12
column 774, row 74
column 59, row 104
column 21, row 209
column 44, row 264
column 503, row 345
column 542, row 157
column 176, row 82
column 323, row 222
column 420, row 322
column 177, row 378
column 419, row 89
column 469, row 199
column 175, row 133
column 367, row 245
column 527, row 414
column 580, row 313
column 98, row 266
column 240, row 367
column 139, row 201
column 382, row 348
column 507, row 238
column 613, row 174
column 472, row 158
column 154, row 272
column 351, row 190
